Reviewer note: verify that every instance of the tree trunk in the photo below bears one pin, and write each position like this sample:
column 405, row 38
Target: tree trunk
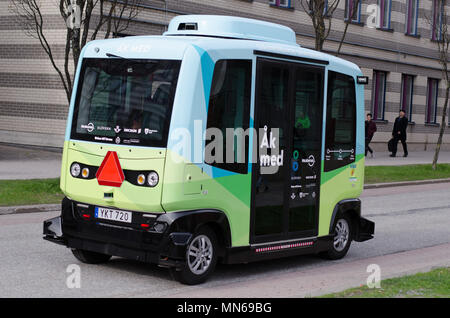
column 347, row 22
column 442, row 130
column 66, row 65
column 342, row 39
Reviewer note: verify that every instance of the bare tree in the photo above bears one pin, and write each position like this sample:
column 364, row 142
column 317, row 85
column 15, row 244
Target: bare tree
column 83, row 18
column 320, row 13
column 439, row 27
column 350, row 18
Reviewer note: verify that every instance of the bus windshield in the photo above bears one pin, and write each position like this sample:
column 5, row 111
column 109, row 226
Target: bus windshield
column 125, row 101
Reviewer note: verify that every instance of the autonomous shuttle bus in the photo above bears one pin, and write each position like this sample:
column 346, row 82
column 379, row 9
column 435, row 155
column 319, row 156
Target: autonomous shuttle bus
column 222, row 140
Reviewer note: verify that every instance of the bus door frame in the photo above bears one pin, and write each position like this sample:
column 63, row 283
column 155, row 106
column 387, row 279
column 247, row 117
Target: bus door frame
column 293, row 64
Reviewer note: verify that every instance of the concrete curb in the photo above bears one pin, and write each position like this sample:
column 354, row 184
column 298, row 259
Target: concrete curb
column 29, row 208
column 404, row 183
column 56, row 207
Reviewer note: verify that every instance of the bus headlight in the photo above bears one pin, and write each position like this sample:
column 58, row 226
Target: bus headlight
column 85, row 172
column 140, row 179
column 152, row 179
column 75, row 170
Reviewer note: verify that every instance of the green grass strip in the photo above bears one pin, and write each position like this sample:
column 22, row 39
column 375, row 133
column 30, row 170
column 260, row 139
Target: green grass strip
column 380, row 174
column 23, row 192
column 433, row 284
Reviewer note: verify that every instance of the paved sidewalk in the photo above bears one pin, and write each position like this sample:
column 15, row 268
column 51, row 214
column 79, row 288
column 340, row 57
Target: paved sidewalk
column 22, row 162
column 417, row 157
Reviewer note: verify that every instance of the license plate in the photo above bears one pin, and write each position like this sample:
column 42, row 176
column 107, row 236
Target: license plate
column 113, row 215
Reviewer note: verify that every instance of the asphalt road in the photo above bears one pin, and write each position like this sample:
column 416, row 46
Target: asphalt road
column 407, row 219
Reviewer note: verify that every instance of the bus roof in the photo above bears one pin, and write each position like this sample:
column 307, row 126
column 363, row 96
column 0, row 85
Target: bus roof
column 222, row 36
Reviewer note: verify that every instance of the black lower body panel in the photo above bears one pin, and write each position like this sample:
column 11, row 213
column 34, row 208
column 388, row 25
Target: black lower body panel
column 168, row 247
column 261, row 252
column 123, row 240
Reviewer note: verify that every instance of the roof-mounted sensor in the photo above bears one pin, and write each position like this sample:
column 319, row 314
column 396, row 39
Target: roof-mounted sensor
column 230, row 27
column 187, row 26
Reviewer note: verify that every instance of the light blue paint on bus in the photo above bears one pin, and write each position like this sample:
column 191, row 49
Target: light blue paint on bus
column 199, row 55
column 207, row 67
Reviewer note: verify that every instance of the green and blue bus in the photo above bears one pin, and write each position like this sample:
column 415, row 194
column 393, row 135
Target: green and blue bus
column 222, row 140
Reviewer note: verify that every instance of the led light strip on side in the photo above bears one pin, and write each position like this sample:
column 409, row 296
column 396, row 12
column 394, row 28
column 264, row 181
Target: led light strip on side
column 282, row 247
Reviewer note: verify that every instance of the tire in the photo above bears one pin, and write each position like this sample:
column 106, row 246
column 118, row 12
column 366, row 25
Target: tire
column 201, row 258
column 343, row 229
column 89, row 257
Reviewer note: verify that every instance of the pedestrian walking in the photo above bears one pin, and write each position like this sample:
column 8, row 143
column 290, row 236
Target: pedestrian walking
column 399, row 133
column 371, row 128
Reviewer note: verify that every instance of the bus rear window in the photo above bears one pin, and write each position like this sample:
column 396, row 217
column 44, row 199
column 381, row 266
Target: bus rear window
column 125, row 101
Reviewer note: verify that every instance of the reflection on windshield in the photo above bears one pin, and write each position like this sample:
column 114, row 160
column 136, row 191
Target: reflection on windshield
column 125, row 101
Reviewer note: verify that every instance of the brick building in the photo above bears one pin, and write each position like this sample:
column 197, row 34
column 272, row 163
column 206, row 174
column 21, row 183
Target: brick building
column 399, row 56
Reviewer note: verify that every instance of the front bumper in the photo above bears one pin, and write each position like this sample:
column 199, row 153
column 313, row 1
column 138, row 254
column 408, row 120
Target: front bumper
column 365, row 230
column 167, row 248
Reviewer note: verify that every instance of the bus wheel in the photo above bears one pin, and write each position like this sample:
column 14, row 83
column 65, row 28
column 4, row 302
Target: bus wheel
column 89, row 257
column 201, row 258
column 343, row 232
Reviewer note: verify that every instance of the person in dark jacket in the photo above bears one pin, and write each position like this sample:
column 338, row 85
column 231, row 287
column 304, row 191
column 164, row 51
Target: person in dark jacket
column 399, row 133
column 371, row 128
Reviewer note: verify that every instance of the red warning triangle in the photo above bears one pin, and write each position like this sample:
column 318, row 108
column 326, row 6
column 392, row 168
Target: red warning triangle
column 110, row 172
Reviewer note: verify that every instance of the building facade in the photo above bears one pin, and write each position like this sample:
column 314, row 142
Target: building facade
column 394, row 46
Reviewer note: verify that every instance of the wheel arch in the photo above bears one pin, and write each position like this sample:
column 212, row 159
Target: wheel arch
column 351, row 207
column 192, row 221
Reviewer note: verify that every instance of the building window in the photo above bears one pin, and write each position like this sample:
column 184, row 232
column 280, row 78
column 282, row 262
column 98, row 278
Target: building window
column 353, row 10
column 325, row 8
column 436, row 25
column 412, row 10
column 432, row 98
column 385, row 13
column 406, row 102
column 281, row 3
column 378, row 94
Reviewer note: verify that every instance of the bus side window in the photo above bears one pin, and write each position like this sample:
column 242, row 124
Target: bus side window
column 229, row 107
column 340, row 135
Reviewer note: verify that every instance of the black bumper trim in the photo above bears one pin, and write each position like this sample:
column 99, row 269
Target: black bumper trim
column 113, row 249
column 365, row 230
column 77, row 227
column 53, row 227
